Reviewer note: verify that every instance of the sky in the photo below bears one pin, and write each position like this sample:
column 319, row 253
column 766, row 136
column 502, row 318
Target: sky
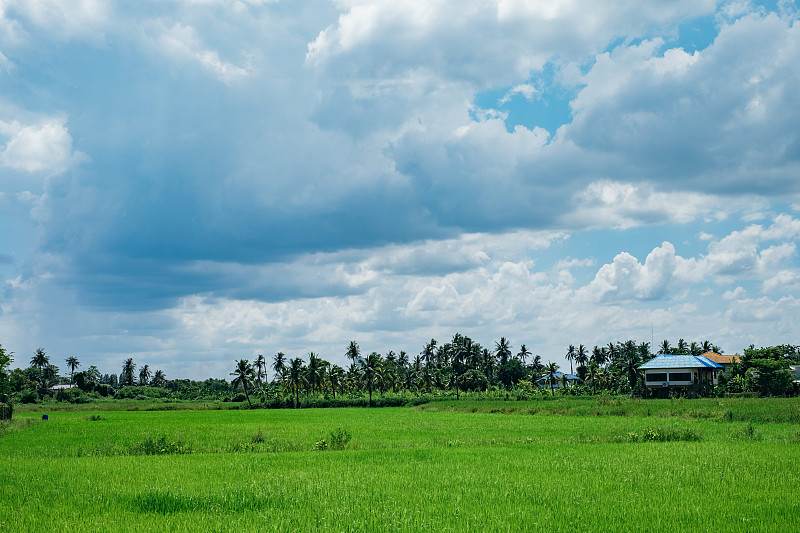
column 193, row 182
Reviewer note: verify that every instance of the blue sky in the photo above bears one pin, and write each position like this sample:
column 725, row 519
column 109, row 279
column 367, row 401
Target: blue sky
column 192, row 182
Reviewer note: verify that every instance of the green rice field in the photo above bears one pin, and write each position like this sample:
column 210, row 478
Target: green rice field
column 560, row 465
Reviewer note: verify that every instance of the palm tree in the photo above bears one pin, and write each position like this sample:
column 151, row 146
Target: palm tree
column 629, row 364
column 159, row 379
column 40, row 359
column 72, row 363
column 336, row 377
column 592, row 375
column 261, row 369
column 371, row 372
column 279, row 365
column 128, row 367
column 296, row 379
column 144, row 375
column 429, row 352
column 570, row 356
column 598, row 356
column 551, row 368
column 536, row 365
column 683, row 348
column 353, row 351
column 502, row 350
column 665, row 347
column 315, row 369
column 523, row 353
column 581, row 357
column 244, row 374
column 612, row 353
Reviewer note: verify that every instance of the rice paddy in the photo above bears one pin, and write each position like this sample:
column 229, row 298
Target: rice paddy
column 453, row 466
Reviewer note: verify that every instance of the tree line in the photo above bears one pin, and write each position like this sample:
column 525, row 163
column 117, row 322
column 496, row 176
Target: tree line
column 457, row 365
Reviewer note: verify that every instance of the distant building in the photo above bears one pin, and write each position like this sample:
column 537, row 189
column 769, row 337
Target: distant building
column 679, row 371
column 59, row 387
column 725, row 360
column 544, row 381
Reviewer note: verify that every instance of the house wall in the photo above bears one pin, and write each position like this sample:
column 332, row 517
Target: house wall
column 678, row 377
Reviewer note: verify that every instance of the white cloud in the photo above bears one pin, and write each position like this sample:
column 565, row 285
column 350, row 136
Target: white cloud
column 45, row 146
column 183, row 43
column 83, row 19
column 625, row 205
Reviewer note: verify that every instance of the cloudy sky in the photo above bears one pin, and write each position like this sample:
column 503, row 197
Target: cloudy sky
column 192, row 182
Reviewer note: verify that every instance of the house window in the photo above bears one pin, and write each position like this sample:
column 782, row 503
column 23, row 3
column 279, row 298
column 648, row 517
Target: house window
column 657, row 377
column 680, row 376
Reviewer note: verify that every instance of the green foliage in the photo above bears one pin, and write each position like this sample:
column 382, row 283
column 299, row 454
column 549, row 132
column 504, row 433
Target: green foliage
column 6, row 407
column 650, row 434
column 28, row 396
column 511, row 372
column 160, row 446
column 135, row 392
column 5, row 362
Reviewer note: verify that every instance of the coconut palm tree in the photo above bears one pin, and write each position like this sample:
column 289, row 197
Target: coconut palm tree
column 683, row 347
column 260, row 367
column 665, row 347
column 144, row 375
column 371, row 372
column 353, row 352
column 336, row 377
column 279, row 365
column 523, row 353
column 429, row 352
column 128, row 367
column 570, row 356
column 40, row 359
column 598, row 356
column 72, row 363
column 551, row 368
column 296, row 378
column 243, row 375
column 581, row 356
column 159, row 379
column 502, row 349
column 593, row 375
column 315, row 370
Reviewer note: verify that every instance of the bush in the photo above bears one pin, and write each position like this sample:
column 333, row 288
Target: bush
column 6, row 408
column 28, row 396
column 104, row 389
column 133, row 392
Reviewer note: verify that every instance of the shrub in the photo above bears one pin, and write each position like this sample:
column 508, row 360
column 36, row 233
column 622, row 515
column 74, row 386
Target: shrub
column 104, row 389
column 337, row 441
column 159, row 446
column 6, row 408
column 28, row 396
column 649, row 434
column 132, row 392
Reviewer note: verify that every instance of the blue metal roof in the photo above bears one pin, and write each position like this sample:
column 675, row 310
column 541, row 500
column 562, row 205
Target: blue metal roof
column 679, row 361
column 558, row 375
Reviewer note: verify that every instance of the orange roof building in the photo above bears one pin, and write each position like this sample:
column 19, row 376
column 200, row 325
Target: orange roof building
column 723, row 359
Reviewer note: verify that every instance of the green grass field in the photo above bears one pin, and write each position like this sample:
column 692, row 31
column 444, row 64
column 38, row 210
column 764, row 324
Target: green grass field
column 570, row 465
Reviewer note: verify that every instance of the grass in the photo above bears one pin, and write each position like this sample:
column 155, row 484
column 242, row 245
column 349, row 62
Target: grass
column 439, row 468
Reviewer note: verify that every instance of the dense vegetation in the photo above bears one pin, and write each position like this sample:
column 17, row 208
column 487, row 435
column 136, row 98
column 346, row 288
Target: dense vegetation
column 439, row 370
column 557, row 464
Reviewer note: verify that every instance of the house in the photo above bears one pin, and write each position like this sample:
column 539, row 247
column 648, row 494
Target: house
column 683, row 371
column 544, row 381
column 725, row 360
column 59, row 387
